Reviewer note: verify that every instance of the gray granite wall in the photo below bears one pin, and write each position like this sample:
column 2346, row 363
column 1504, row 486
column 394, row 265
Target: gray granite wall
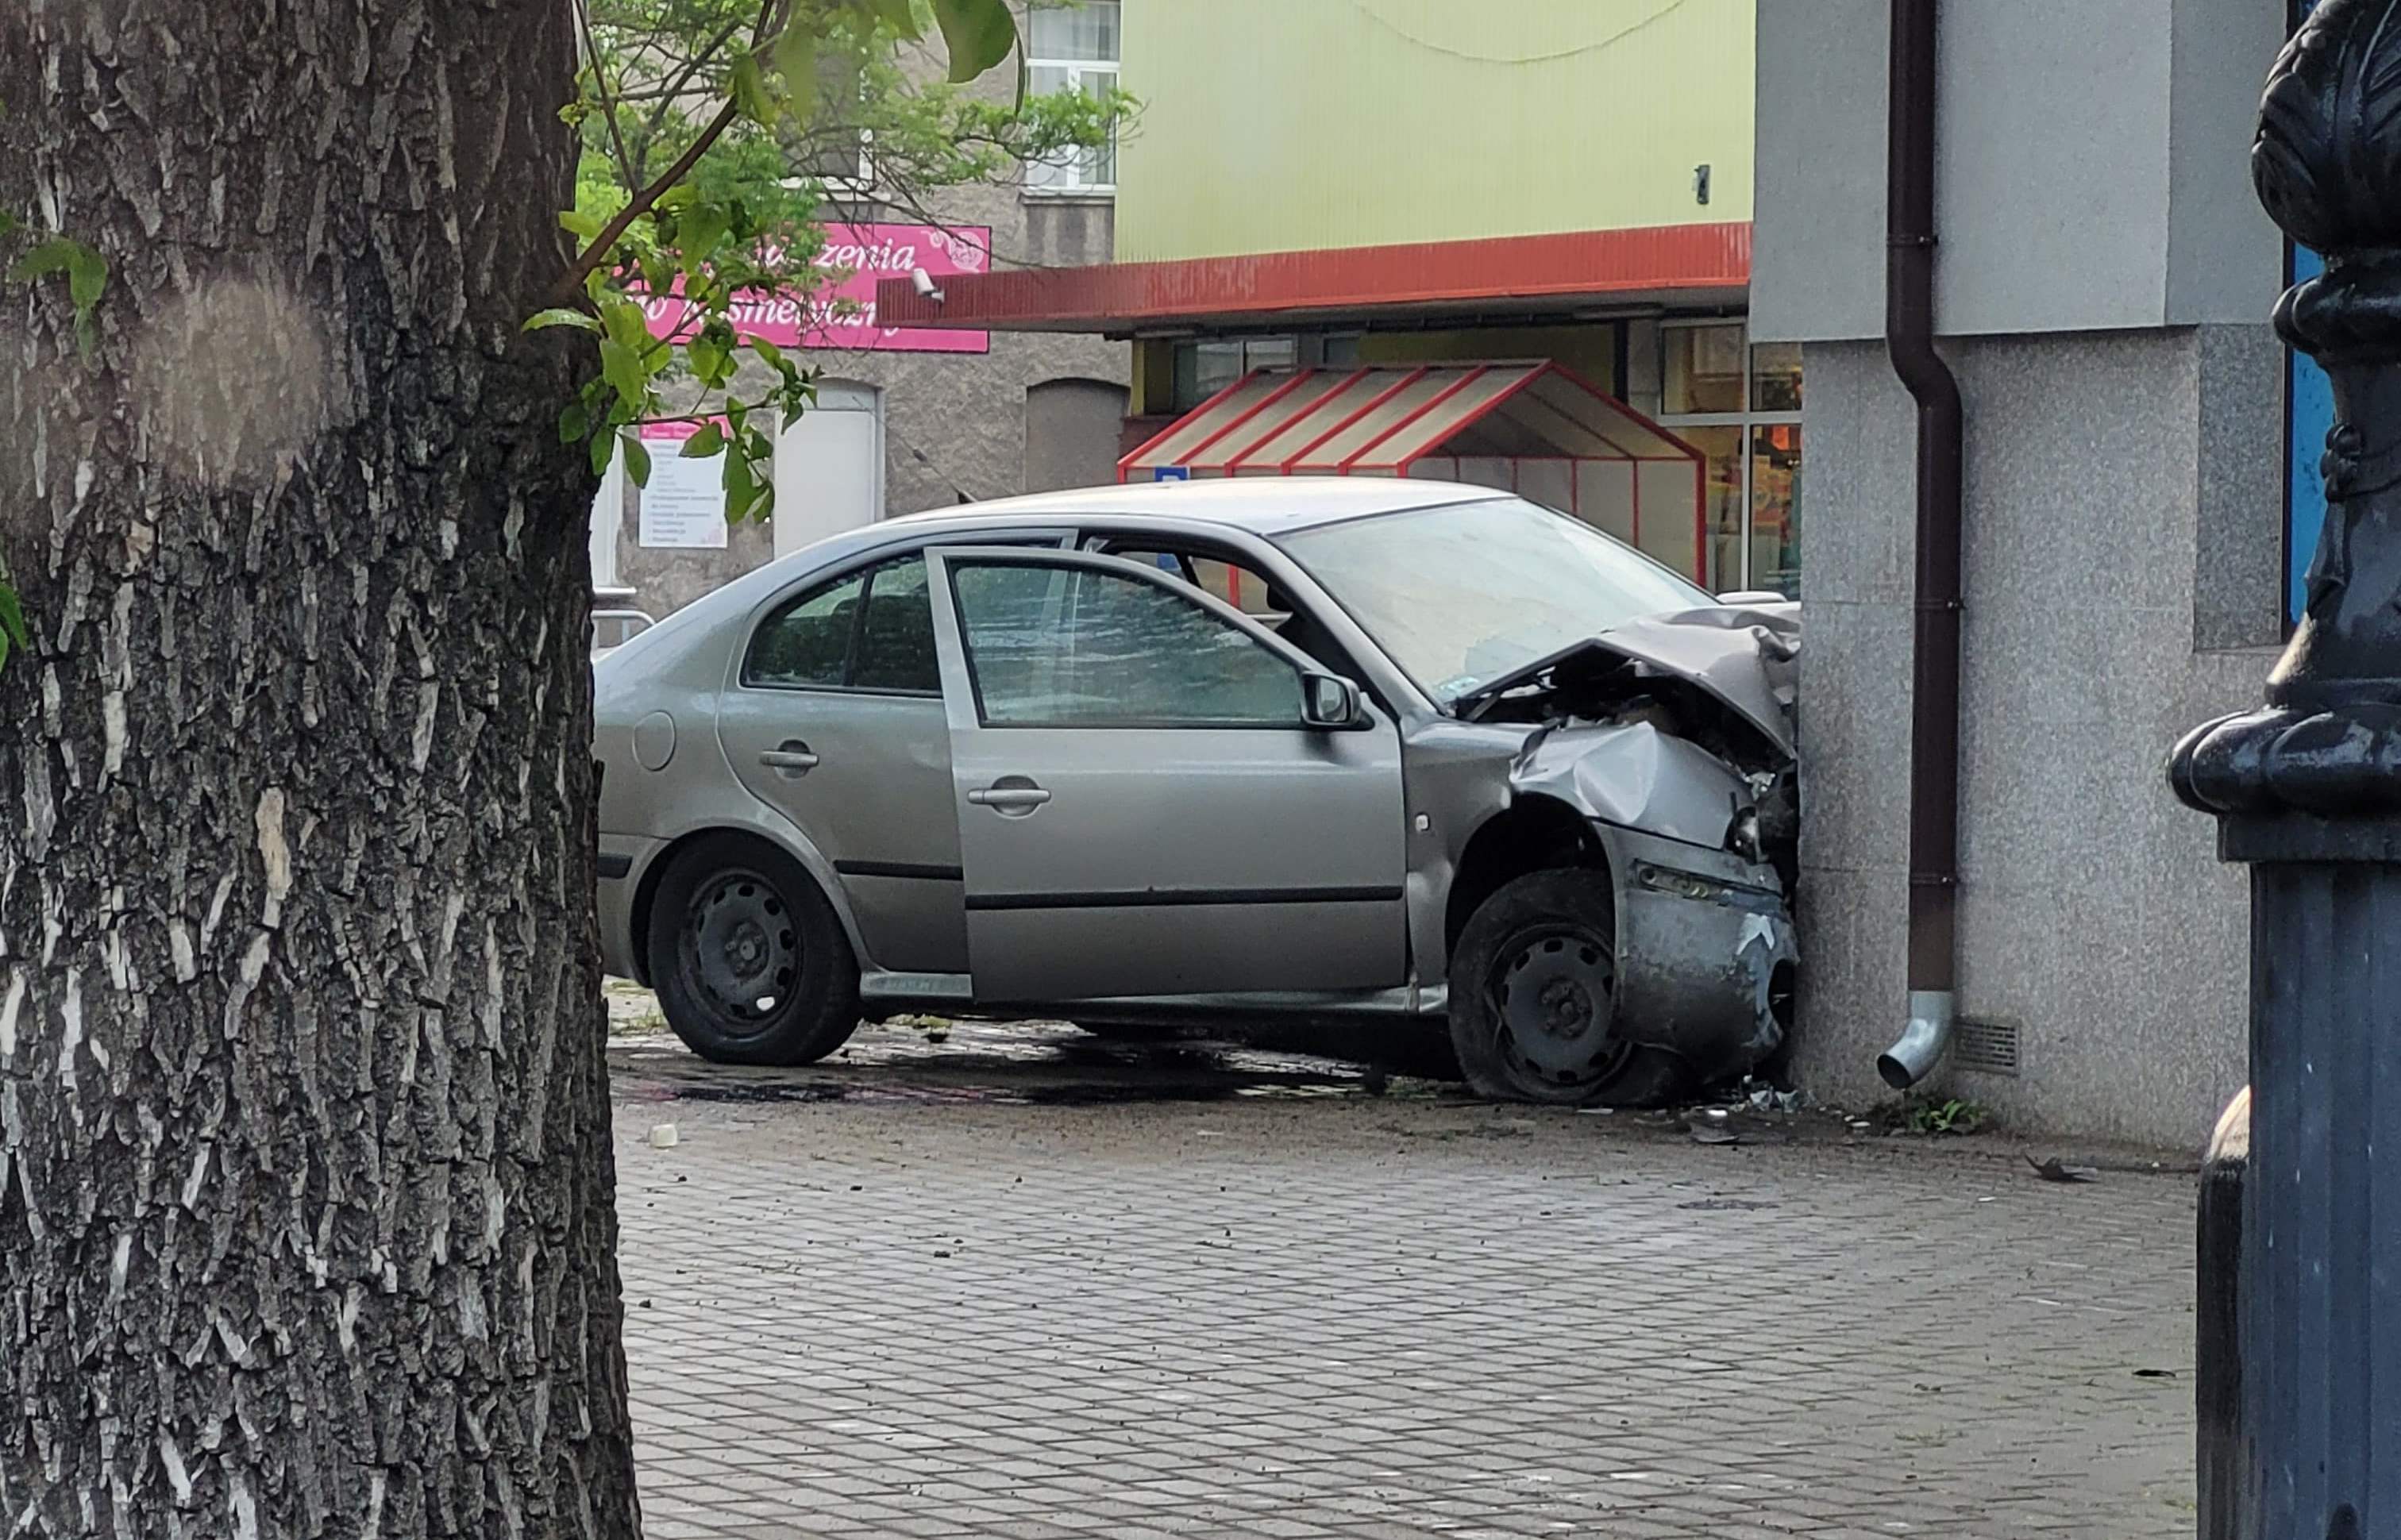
column 2122, row 556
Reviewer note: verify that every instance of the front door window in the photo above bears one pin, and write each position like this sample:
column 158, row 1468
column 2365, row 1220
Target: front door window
column 1070, row 646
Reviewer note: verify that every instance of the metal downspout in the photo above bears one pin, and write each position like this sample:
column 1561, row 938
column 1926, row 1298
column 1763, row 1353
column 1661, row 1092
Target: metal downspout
column 1934, row 709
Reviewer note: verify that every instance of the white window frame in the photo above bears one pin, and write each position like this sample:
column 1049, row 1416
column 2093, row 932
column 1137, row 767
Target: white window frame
column 1050, row 178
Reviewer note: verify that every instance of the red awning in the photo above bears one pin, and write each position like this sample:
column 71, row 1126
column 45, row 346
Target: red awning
column 1382, row 420
column 1694, row 263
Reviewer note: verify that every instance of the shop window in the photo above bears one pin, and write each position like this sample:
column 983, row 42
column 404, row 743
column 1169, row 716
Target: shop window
column 1775, row 507
column 1775, row 376
column 1074, row 48
column 1703, row 369
column 1204, row 368
column 1740, row 405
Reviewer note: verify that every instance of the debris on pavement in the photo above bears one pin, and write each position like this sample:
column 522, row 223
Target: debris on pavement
column 2054, row 1171
column 663, row 1136
column 1768, row 1099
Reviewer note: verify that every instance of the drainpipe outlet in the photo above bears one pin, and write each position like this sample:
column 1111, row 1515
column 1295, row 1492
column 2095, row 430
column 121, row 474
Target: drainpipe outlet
column 1923, row 1043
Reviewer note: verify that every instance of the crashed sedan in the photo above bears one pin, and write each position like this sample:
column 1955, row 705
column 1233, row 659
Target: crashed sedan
column 1229, row 750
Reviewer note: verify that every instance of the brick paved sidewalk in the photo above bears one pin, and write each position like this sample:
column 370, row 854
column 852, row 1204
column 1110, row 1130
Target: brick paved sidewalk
column 919, row 1312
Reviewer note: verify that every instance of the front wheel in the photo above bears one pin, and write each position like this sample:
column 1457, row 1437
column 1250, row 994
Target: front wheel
column 749, row 960
column 1533, row 999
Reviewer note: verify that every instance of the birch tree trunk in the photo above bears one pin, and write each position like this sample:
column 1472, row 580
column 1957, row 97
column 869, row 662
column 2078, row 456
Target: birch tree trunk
column 307, row 1219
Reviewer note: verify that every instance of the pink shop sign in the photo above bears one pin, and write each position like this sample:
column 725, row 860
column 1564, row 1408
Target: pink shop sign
column 842, row 313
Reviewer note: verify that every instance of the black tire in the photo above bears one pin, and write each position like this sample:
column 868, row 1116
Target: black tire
column 749, row 962
column 1533, row 985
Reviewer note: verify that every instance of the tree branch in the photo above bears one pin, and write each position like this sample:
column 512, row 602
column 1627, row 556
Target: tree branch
column 600, row 80
column 570, row 285
column 683, row 78
column 570, row 288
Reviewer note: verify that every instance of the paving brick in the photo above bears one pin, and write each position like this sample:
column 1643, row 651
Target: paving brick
column 1350, row 1317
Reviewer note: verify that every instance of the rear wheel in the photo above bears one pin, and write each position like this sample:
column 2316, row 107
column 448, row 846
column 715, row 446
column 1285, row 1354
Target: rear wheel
column 750, row 962
column 1533, row 999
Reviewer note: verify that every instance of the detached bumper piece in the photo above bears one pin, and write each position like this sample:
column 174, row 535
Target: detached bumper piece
column 1707, row 959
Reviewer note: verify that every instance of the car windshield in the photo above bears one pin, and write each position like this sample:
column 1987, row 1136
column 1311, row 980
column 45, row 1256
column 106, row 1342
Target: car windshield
column 1462, row 594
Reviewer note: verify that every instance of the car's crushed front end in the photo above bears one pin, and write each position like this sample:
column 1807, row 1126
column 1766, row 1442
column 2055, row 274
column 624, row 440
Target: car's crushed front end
column 1673, row 737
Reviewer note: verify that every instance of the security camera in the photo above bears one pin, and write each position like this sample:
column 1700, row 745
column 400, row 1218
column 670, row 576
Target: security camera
column 922, row 282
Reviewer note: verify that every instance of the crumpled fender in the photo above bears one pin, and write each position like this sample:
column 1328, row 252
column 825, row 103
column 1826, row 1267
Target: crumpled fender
column 1634, row 776
column 1706, row 947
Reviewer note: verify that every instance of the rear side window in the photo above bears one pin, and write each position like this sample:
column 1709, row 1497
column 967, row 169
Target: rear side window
column 896, row 632
column 872, row 631
column 807, row 642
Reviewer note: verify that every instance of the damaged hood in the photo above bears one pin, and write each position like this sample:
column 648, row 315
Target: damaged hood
column 1746, row 657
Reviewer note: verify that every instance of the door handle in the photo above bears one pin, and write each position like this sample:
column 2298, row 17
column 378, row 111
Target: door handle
column 791, row 759
column 1012, row 796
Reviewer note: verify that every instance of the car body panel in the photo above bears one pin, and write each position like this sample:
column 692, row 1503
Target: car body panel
column 876, row 803
column 1635, row 775
column 1705, row 932
column 1171, row 860
column 1707, row 948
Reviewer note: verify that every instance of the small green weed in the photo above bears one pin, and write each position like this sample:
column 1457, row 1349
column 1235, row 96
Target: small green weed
column 1953, row 1116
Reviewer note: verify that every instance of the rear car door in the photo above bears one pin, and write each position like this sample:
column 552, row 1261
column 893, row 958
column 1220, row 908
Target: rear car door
column 835, row 719
column 1141, row 808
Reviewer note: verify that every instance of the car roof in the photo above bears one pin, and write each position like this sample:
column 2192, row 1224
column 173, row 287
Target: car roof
column 1267, row 506
column 1263, row 505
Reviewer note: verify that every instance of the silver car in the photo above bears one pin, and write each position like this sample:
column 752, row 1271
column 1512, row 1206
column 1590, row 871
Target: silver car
column 1234, row 749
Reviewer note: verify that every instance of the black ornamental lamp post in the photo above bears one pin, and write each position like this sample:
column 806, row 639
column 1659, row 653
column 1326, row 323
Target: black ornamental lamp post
column 2300, row 1350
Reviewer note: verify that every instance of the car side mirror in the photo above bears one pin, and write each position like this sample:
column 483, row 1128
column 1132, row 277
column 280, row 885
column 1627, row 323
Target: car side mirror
column 1330, row 702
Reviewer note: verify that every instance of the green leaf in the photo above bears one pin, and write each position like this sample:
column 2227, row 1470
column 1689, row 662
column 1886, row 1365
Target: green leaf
column 750, row 93
column 602, row 449
column 978, row 32
column 87, row 277
column 796, row 61
column 87, row 273
column 767, row 351
column 48, row 257
column 561, row 315
column 741, row 488
column 578, row 223
column 698, row 233
column 708, row 442
column 900, row 14
column 8, row 222
column 573, row 422
column 624, row 370
column 638, row 459
column 12, row 623
column 623, row 322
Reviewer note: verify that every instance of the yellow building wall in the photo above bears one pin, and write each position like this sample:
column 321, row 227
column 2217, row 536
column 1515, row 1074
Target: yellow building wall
column 1288, row 125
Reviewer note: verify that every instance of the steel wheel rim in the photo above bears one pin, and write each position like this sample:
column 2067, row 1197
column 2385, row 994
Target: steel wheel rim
column 741, row 952
column 1552, row 995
